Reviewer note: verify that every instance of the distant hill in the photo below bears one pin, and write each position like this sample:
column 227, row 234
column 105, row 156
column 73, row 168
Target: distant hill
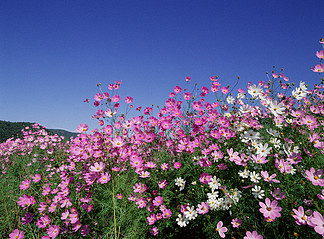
column 13, row 129
column 62, row 132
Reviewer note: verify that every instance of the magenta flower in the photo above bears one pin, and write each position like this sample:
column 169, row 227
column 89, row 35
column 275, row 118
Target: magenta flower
column 270, row 209
column 25, row 184
column 119, row 196
column 85, row 230
column 166, row 213
column 220, row 229
column 205, row 178
column 158, row 201
column 236, row 222
column 318, row 221
column 27, row 218
column 162, row 184
column 37, row 178
column 128, row 99
column 154, row 231
column 253, row 235
column 187, row 96
column 177, row 165
column 16, row 234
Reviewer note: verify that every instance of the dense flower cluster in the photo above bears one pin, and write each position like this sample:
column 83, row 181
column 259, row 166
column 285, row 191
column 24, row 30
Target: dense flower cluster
column 215, row 166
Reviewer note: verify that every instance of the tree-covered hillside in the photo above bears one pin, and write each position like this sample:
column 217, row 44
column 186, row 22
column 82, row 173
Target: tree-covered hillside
column 13, row 129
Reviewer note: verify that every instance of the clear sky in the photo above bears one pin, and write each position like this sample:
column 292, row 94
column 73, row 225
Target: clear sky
column 53, row 53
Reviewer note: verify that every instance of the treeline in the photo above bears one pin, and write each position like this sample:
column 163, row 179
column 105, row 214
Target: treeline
column 11, row 129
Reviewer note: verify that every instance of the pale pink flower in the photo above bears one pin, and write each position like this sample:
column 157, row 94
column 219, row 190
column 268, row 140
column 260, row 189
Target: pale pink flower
column 318, row 68
column 300, row 216
column 16, row 234
column 315, row 177
column 220, row 229
column 253, row 235
column 53, row 231
column 270, row 209
column 203, row 208
column 97, row 167
column 318, row 221
column 82, row 128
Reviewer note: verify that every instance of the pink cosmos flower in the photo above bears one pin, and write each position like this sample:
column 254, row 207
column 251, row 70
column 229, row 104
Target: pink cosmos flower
column 203, row 208
column 177, row 165
column 151, row 219
column 177, row 89
column 97, row 167
column 224, row 90
column 205, row 178
column 115, row 98
column 105, row 178
column 253, row 235
column 270, row 209
column 187, row 96
column 16, row 234
column 52, row 208
column 128, row 99
column 37, row 178
column 315, row 178
column 53, row 231
column 154, row 231
column 158, row 201
column 85, row 230
column 220, row 229
column 141, row 202
column 278, row 194
column 164, row 166
column 166, row 213
column 269, row 179
column 188, row 78
column 43, row 221
column 119, row 196
column 318, row 68
column 118, row 142
column 318, row 221
column 82, row 128
column 320, row 54
column 236, row 222
column 162, row 184
column 25, row 184
column 300, row 216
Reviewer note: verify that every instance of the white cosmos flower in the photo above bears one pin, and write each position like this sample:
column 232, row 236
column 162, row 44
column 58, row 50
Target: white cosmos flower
column 277, row 109
column 257, row 192
column 255, row 91
column 181, row 221
column 191, row 213
column 255, row 177
column 230, row 100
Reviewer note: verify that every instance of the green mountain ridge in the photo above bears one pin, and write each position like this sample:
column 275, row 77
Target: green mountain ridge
column 13, row 129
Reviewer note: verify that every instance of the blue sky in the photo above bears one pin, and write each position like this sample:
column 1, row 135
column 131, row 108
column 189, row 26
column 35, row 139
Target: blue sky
column 53, row 53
